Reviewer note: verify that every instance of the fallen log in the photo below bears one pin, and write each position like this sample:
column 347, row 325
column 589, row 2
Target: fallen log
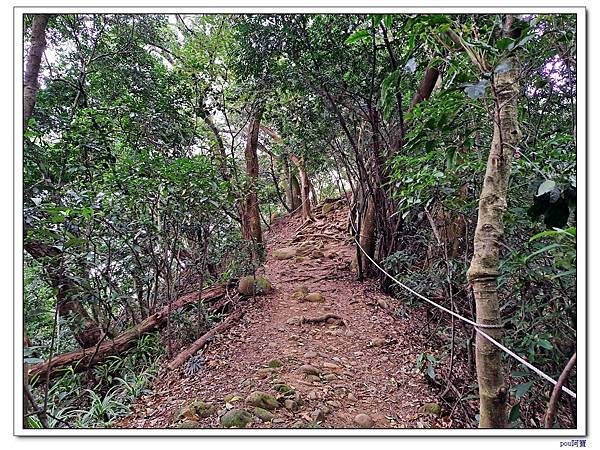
column 80, row 360
column 197, row 345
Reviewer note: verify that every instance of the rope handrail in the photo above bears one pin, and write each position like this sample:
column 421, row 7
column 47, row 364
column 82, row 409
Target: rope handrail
column 464, row 319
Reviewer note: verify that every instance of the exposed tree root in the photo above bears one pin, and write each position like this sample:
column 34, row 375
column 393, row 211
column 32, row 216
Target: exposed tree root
column 333, row 318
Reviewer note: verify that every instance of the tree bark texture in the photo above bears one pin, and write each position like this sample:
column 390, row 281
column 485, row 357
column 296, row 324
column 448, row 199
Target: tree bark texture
column 32, row 67
column 489, row 233
column 368, row 234
column 251, row 217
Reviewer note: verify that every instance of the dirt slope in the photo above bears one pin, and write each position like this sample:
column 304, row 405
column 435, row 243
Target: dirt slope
column 365, row 365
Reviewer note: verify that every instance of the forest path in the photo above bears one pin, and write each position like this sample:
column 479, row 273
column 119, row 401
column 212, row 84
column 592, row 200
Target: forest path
column 365, row 365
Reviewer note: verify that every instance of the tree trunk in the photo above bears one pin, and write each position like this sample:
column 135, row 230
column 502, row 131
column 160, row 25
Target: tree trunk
column 292, row 187
column 32, row 68
column 367, row 234
column 295, row 191
column 219, row 147
column 313, row 192
column 304, row 187
column 81, row 359
column 426, row 87
column 85, row 331
column 483, row 272
column 251, row 216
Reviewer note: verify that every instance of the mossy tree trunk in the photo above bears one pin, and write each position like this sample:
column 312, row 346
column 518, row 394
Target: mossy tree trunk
column 489, row 233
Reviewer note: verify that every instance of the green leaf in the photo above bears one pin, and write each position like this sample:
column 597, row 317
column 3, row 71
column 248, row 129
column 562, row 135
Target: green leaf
column 388, row 20
column 564, row 274
column 357, row 36
column 545, row 344
column 430, row 371
column 542, row 250
column 503, row 44
column 521, row 389
column 515, row 413
column 521, row 42
column 546, row 186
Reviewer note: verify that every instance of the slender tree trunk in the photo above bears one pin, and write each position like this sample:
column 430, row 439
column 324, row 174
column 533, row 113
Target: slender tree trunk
column 367, row 234
column 251, row 217
column 426, row 87
column 313, row 192
column 304, row 187
column 292, row 188
column 32, row 68
column 483, row 272
column 295, row 191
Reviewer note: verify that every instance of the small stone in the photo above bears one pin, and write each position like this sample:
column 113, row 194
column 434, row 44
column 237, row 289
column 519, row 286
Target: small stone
column 188, row 424
column 310, row 354
column 230, row 398
column 265, row 372
column 313, row 395
column 194, row 409
column 278, row 420
column 334, row 404
column 352, row 397
column 299, row 293
column 299, row 424
column 363, row 421
column 236, row 418
column 327, row 207
column 378, row 342
column 317, row 415
column 307, row 369
column 262, row 400
column 284, row 253
column 359, row 353
column 317, row 254
column 290, row 405
column 263, row 414
column 284, row 389
column 331, row 366
column 315, row 297
column 249, row 286
column 431, row 408
column 382, row 303
column 330, row 377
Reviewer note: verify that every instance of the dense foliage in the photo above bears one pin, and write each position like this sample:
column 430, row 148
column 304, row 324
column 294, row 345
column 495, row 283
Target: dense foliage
column 134, row 172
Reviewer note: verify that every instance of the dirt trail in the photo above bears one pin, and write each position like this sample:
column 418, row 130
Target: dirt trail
column 366, row 365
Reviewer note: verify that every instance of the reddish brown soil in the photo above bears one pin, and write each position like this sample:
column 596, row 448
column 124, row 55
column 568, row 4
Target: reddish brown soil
column 367, row 366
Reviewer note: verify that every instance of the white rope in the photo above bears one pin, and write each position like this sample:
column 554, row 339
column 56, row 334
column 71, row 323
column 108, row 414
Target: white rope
column 470, row 322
